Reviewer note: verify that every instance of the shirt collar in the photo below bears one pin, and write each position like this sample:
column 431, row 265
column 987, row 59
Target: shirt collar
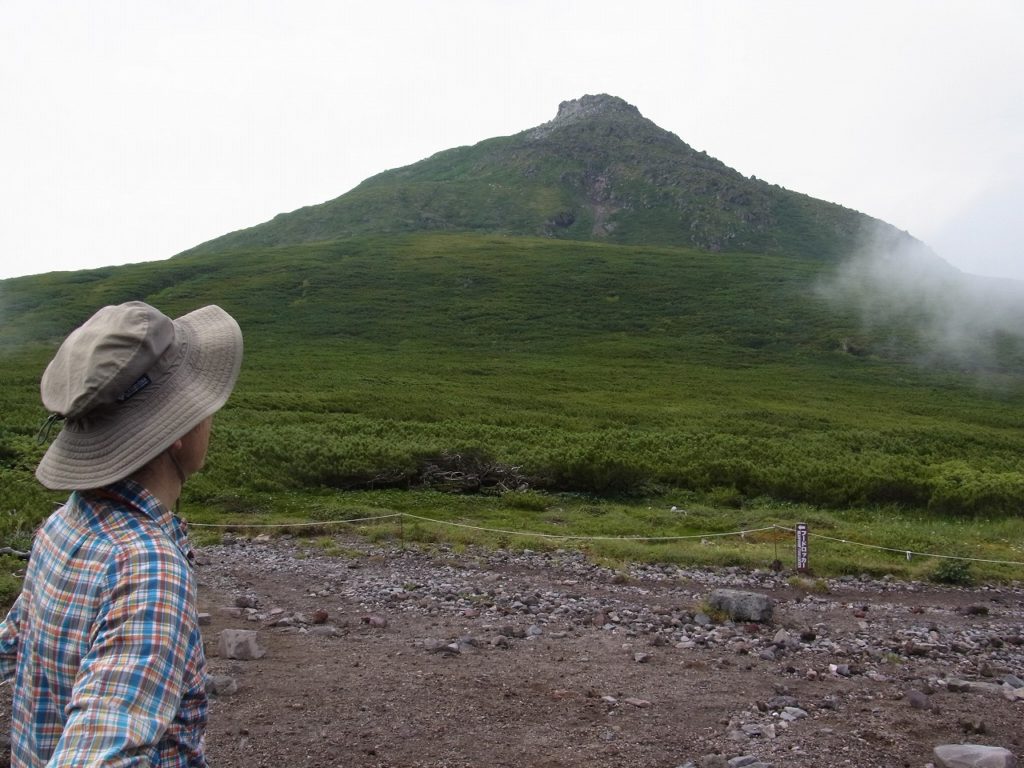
column 135, row 497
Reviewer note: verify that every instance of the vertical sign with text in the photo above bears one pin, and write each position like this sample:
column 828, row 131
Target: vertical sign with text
column 801, row 546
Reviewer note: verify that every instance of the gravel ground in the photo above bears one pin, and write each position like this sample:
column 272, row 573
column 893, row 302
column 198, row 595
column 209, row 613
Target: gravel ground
column 432, row 657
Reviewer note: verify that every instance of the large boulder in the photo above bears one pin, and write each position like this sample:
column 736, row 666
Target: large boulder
column 742, row 606
column 239, row 644
column 973, row 756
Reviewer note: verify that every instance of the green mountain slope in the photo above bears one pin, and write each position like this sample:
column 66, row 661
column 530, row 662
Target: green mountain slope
column 599, row 171
column 585, row 366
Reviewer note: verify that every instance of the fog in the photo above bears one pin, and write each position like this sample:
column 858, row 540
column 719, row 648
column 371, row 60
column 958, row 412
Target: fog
column 898, row 283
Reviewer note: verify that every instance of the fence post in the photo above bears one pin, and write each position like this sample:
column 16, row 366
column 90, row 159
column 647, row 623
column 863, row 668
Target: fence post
column 801, row 547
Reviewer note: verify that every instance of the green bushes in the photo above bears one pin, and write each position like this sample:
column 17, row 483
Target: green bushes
column 955, row 572
column 266, row 451
column 596, row 464
column 957, row 488
column 577, row 367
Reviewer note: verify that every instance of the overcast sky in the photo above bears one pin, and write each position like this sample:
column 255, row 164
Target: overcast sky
column 130, row 131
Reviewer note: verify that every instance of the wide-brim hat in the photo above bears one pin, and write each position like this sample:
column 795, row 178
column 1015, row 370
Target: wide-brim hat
column 128, row 383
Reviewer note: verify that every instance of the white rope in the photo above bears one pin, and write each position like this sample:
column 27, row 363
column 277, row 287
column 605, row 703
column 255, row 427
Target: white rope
column 582, row 537
column 904, row 551
column 292, row 525
column 481, row 528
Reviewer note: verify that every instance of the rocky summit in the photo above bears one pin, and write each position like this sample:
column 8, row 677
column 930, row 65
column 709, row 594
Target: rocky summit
column 598, row 171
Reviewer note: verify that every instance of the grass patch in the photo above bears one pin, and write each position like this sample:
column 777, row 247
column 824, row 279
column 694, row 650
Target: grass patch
column 616, row 533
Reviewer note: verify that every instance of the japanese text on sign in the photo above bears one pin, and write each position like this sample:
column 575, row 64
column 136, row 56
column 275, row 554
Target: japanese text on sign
column 801, row 546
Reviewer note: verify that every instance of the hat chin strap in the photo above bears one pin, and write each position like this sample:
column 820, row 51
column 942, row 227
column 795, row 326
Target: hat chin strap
column 181, row 478
column 177, row 467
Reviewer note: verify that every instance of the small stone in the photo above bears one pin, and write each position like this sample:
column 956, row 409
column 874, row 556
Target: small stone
column 830, row 702
column 204, row 619
column 1013, row 694
column 221, row 685
column 974, row 725
column 918, row 700
column 641, row 658
column 435, row 646
column 640, row 703
column 324, row 630
column 756, row 729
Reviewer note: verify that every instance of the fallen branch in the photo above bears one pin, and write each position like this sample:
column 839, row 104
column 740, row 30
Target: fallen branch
column 15, row 552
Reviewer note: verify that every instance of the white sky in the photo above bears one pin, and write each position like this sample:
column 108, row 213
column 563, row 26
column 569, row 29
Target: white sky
column 132, row 130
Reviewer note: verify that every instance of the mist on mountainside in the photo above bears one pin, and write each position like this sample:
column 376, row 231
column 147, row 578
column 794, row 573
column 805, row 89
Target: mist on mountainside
column 975, row 322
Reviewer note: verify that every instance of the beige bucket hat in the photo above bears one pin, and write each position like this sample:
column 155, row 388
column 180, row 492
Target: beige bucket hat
column 128, row 383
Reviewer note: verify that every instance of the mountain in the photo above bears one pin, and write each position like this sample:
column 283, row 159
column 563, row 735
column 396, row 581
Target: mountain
column 597, row 355
column 598, row 171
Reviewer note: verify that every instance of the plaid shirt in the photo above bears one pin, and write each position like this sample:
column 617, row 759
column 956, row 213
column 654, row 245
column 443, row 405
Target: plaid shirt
column 104, row 640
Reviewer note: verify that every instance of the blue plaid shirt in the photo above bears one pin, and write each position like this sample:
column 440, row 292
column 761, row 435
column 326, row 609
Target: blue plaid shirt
column 104, row 640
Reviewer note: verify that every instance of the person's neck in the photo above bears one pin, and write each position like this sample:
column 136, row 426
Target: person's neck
column 162, row 479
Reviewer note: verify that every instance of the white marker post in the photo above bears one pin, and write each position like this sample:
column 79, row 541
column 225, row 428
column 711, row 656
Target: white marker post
column 801, row 547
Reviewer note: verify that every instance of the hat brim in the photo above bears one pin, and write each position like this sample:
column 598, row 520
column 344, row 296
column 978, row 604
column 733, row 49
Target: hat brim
column 100, row 450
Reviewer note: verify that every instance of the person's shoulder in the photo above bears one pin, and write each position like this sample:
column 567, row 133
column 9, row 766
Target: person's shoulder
column 130, row 539
column 148, row 562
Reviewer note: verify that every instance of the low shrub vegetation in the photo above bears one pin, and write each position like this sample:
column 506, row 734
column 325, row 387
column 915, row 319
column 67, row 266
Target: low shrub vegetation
column 498, row 380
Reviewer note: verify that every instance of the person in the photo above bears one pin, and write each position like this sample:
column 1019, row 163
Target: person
column 103, row 642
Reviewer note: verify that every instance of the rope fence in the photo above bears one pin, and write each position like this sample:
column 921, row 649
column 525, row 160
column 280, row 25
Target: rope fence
column 316, row 524
column 801, row 532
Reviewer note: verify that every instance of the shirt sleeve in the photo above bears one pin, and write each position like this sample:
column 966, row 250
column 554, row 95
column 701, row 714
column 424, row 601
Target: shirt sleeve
column 130, row 681
column 9, row 634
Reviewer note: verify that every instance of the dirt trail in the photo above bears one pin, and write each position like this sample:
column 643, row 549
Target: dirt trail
column 444, row 659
